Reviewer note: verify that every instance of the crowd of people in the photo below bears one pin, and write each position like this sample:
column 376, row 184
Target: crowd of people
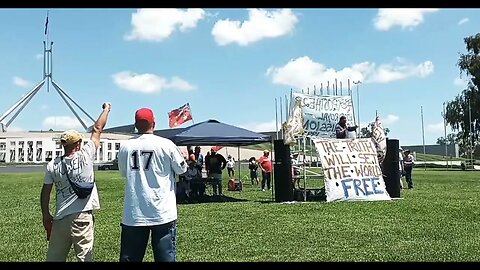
column 150, row 165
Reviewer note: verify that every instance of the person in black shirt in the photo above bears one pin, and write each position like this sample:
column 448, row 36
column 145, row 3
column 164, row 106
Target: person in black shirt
column 253, row 167
column 341, row 128
column 214, row 164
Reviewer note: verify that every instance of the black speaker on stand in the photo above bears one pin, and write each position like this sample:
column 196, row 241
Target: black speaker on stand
column 391, row 168
column 282, row 174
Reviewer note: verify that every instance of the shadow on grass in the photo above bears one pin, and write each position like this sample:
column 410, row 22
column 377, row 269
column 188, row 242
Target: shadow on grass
column 312, row 195
column 209, row 199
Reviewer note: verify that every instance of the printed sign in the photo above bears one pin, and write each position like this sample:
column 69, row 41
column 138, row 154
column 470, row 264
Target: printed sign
column 321, row 113
column 351, row 170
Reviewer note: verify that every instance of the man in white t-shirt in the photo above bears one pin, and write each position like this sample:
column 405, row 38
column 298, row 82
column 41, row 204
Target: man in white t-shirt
column 73, row 222
column 230, row 166
column 149, row 163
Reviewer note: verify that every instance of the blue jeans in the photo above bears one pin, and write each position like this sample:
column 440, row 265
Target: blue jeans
column 216, row 182
column 134, row 241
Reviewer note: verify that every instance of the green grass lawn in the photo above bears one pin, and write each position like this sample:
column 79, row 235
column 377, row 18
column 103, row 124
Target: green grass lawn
column 436, row 221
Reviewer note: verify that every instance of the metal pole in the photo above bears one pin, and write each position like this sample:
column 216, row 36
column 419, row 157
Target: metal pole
column 470, row 129
column 25, row 103
column 238, row 160
column 304, row 173
column 353, row 111
column 51, row 60
column 349, row 89
column 22, row 99
column 287, row 111
column 445, row 131
column 311, row 158
column 44, row 59
column 423, row 136
column 281, row 117
column 336, row 87
column 71, row 99
column 276, row 117
column 358, row 104
column 70, row 106
column 49, row 52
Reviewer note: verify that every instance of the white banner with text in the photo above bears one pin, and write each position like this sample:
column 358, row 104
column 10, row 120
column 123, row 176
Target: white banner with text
column 321, row 113
column 351, row 170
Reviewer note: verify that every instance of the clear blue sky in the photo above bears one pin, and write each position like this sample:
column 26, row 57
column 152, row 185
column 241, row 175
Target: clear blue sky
column 230, row 64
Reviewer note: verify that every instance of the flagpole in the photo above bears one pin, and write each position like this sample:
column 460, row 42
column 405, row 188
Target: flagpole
column 423, row 136
column 47, row 56
column 470, row 134
column 281, row 116
column 276, row 117
column 353, row 107
column 287, row 111
column 358, row 102
column 445, row 132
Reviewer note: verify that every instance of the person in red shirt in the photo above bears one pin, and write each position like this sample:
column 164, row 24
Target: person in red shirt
column 265, row 165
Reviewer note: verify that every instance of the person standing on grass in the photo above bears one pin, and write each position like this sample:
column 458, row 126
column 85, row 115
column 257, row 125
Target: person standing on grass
column 214, row 164
column 253, row 166
column 230, row 166
column 408, row 163
column 265, row 165
column 73, row 223
column 150, row 164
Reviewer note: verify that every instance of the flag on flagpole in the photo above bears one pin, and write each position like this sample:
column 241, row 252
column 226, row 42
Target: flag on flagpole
column 379, row 139
column 46, row 24
column 179, row 116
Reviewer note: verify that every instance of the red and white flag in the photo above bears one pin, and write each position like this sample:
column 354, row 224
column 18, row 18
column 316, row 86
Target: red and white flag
column 179, row 116
column 217, row 147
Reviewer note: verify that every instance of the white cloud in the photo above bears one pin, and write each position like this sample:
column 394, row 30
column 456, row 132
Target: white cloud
column 438, row 128
column 303, row 72
column 461, row 83
column 406, row 18
column 389, row 72
column 261, row 127
column 20, row 82
column 157, row 24
column 389, row 119
column 63, row 123
column 149, row 83
column 462, row 21
column 261, row 24
column 39, row 56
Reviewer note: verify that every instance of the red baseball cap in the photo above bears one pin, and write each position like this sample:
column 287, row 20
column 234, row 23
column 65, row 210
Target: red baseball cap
column 144, row 114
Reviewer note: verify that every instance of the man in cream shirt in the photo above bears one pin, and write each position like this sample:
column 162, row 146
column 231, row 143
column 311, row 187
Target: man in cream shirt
column 73, row 221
